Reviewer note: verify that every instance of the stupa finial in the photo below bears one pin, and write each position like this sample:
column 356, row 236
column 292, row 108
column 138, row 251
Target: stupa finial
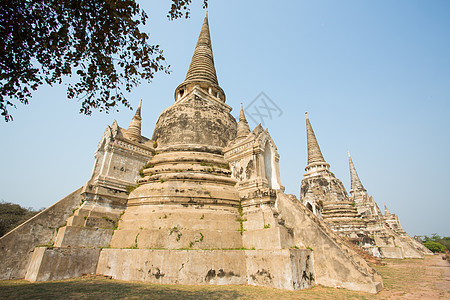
column 134, row 129
column 314, row 153
column 356, row 184
column 201, row 70
column 242, row 128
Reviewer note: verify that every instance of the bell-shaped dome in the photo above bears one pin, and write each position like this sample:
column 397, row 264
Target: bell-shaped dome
column 195, row 120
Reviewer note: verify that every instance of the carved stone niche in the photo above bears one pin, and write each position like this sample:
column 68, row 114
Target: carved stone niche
column 254, row 161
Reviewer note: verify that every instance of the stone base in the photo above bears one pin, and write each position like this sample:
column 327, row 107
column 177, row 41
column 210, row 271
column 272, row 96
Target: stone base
column 17, row 246
column 61, row 263
column 75, row 236
column 391, row 252
column 336, row 264
column 290, row 269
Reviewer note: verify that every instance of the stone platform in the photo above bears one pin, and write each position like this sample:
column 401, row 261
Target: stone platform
column 290, row 269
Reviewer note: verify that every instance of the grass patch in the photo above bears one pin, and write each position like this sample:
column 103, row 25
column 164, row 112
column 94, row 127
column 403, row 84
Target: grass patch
column 102, row 288
column 401, row 277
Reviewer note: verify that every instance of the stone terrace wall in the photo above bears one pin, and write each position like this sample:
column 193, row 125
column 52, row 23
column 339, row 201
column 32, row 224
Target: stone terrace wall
column 335, row 264
column 16, row 247
column 290, row 269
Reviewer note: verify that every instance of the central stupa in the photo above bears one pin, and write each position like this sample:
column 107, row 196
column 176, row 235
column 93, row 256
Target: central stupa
column 187, row 188
column 186, row 215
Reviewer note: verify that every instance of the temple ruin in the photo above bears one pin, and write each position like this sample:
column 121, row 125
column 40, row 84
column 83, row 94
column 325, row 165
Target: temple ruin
column 201, row 202
column 356, row 218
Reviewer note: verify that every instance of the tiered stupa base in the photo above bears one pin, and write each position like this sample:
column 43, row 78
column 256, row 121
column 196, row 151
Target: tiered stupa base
column 185, row 224
column 343, row 218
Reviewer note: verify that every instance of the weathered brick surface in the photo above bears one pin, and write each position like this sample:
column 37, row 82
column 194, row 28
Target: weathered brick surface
column 16, row 247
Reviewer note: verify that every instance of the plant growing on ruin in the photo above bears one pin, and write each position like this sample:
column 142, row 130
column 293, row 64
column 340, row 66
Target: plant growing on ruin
column 177, row 232
column 135, row 242
column 146, row 166
column 116, row 225
column 226, row 166
column 240, row 219
column 106, row 218
column 240, row 209
column 131, row 188
column 196, row 240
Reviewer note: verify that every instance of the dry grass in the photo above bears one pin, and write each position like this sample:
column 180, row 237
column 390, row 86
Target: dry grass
column 402, row 278
column 100, row 288
column 426, row 278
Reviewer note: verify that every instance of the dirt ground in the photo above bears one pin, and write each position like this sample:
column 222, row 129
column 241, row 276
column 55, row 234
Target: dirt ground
column 427, row 278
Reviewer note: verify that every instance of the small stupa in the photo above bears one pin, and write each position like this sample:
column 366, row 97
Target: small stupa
column 356, row 218
column 389, row 238
column 325, row 195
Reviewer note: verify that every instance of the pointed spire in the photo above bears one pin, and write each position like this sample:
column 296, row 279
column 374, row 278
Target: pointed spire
column 201, row 70
column 202, row 63
column 138, row 111
column 356, row 184
column 386, row 211
column 314, row 153
column 114, row 125
column 243, row 129
column 134, row 129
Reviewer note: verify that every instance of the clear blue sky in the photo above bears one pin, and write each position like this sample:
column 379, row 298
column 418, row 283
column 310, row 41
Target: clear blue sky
column 374, row 77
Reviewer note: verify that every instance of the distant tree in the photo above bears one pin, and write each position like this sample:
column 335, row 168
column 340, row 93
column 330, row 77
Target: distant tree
column 12, row 215
column 99, row 42
column 445, row 241
column 434, row 246
column 435, row 238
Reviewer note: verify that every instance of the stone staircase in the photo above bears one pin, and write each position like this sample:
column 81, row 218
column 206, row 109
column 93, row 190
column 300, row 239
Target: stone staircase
column 351, row 254
column 364, row 254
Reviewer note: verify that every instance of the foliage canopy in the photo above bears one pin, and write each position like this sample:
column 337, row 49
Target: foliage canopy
column 434, row 246
column 12, row 215
column 99, row 42
column 436, row 243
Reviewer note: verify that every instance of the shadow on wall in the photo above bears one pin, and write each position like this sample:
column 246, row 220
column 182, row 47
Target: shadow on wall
column 106, row 289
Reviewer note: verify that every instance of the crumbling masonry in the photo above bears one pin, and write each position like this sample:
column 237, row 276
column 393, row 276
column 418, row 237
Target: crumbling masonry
column 357, row 218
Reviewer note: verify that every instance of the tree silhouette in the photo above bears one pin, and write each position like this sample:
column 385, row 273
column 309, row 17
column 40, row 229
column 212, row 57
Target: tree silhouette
column 97, row 42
